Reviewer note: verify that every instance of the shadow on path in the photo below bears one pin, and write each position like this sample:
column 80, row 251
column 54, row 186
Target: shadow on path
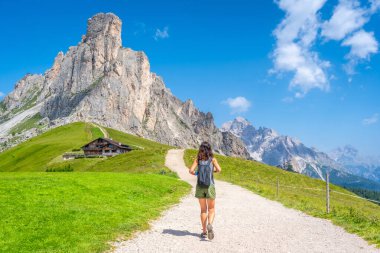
column 179, row 232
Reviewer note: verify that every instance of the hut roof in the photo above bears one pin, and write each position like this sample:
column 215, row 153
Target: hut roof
column 117, row 144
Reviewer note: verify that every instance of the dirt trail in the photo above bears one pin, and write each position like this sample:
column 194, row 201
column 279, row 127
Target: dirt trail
column 245, row 222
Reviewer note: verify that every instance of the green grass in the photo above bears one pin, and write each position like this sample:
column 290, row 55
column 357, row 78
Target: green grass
column 355, row 215
column 96, row 132
column 151, row 160
column 79, row 212
column 78, row 165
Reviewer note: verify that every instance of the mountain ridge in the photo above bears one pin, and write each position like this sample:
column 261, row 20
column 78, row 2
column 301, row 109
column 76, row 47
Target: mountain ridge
column 267, row 146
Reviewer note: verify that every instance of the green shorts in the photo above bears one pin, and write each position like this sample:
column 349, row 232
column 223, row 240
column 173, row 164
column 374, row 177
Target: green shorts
column 205, row 192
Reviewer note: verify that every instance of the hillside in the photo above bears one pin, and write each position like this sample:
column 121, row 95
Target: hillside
column 45, row 152
column 303, row 193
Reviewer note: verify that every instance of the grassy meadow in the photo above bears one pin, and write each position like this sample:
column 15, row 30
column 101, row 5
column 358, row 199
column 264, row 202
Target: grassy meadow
column 98, row 201
column 302, row 193
column 79, row 212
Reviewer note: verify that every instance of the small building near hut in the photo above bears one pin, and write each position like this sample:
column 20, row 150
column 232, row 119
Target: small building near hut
column 105, row 147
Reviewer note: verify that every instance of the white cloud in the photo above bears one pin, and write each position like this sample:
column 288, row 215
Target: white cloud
column 295, row 36
column 2, row 94
column 375, row 5
column 362, row 44
column 301, row 27
column 346, row 24
column 348, row 16
column 238, row 104
column 161, row 34
column 371, row 120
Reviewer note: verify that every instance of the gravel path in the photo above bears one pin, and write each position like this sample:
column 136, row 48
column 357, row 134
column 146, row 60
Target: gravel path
column 244, row 222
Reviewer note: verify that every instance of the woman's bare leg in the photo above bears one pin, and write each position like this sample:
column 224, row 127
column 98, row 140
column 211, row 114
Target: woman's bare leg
column 203, row 204
column 211, row 210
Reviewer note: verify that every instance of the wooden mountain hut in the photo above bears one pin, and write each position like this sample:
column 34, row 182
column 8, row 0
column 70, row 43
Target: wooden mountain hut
column 105, row 147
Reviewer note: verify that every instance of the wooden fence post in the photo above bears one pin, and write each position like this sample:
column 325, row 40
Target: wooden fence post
column 327, row 193
column 278, row 186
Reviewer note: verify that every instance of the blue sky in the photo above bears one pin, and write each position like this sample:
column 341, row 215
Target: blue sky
column 309, row 69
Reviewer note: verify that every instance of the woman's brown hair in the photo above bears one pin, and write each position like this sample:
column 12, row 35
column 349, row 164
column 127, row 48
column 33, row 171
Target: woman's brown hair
column 205, row 151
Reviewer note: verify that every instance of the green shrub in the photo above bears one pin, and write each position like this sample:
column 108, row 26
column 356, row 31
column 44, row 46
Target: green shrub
column 66, row 168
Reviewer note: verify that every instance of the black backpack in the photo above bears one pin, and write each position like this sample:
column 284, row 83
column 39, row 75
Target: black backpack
column 205, row 174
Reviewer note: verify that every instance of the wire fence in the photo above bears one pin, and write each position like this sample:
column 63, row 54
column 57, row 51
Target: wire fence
column 277, row 184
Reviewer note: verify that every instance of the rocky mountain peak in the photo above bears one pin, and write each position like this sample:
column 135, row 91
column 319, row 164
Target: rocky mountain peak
column 100, row 81
column 236, row 126
column 344, row 154
column 104, row 25
column 366, row 166
column 242, row 121
column 268, row 132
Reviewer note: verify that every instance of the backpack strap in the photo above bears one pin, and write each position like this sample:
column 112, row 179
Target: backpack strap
column 208, row 164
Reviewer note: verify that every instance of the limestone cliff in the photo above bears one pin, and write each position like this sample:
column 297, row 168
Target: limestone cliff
column 100, row 81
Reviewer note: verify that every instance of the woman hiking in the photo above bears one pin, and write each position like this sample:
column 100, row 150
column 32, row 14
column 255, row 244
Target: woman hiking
column 205, row 189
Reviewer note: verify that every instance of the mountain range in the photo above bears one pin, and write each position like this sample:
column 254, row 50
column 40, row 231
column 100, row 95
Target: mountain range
column 267, row 146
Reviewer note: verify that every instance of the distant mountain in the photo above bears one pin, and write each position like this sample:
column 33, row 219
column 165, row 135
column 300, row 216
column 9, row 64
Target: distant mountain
column 267, row 146
column 364, row 166
column 100, row 81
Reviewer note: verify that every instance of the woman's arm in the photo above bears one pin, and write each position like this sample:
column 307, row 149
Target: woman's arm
column 192, row 168
column 217, row 167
